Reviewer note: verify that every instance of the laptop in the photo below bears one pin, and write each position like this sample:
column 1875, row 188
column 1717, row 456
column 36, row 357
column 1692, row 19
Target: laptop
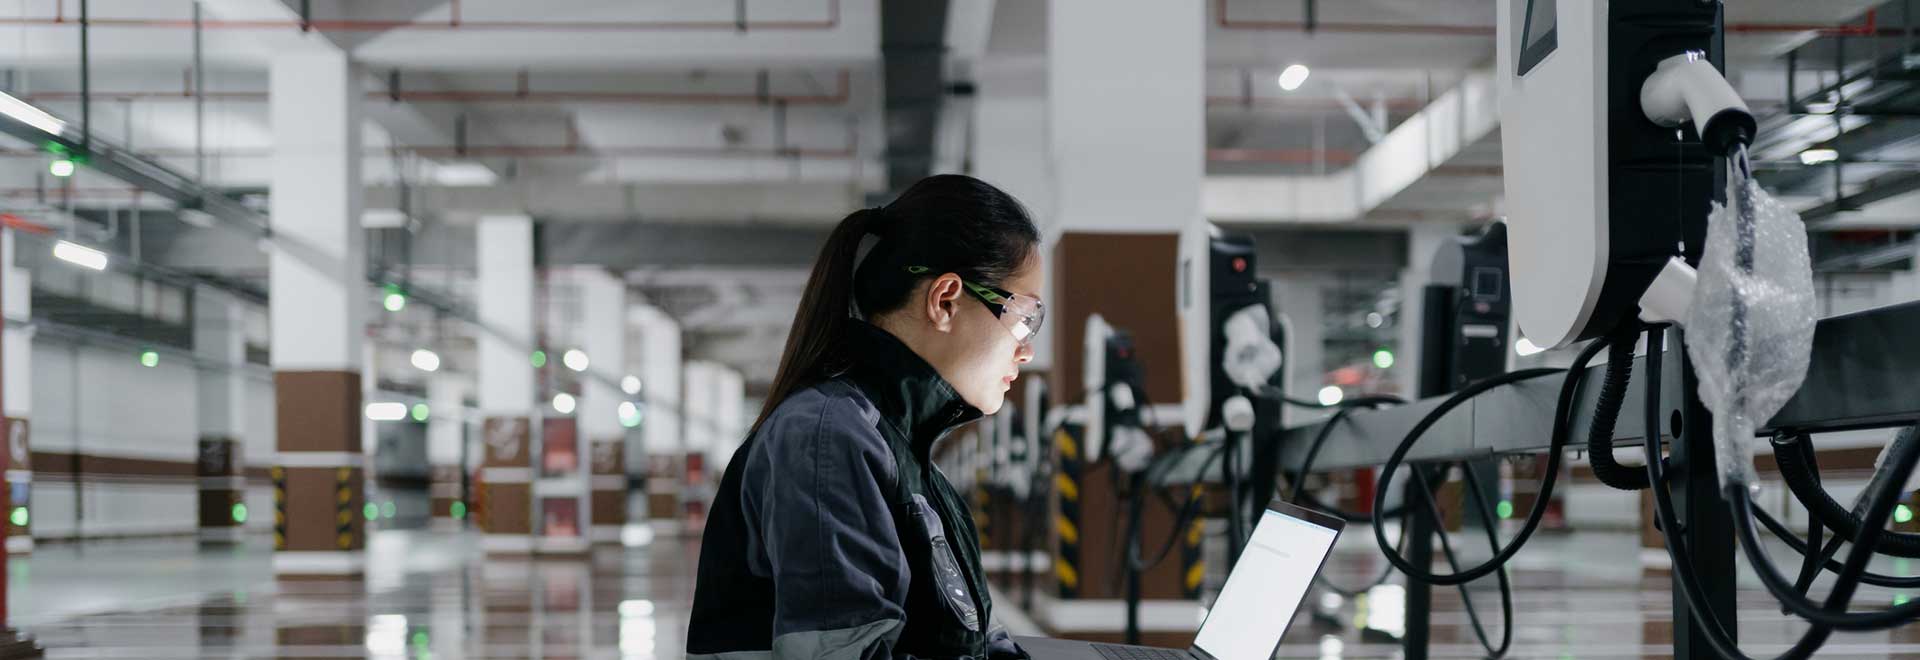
column 1262, row 593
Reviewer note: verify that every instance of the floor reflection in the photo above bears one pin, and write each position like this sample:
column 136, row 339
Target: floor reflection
column 431, row 595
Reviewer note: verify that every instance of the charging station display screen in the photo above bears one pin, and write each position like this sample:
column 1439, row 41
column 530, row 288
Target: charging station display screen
column 1540, row 37
column 1265, row 588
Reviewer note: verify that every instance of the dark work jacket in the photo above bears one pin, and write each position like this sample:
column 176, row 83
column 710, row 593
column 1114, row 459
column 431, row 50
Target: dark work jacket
column 833, row 536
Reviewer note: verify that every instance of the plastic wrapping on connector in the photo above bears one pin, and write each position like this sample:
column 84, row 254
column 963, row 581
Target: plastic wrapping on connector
column 1750, row 330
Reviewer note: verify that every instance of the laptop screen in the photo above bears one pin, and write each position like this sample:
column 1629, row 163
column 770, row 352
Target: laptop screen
column 1265, row 589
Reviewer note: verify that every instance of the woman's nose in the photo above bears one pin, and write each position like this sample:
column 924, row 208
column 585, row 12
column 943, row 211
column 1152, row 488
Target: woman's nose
column 1024, row 354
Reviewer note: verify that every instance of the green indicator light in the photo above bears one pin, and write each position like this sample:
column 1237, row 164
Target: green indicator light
column 62, row 168
column 539, row 359
column 459, row 510
column 1383, row 358
column 1900, row 599
column 1902, row 514
column 420, row 638
column 1505, row 509
column 239, row 512
column 19, row 516
column 395, row 302
column 420, row 412
column 149, row 359
column 386, row 510
column 371, row 511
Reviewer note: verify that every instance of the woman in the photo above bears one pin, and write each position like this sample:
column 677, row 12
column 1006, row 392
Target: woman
column 832, row 535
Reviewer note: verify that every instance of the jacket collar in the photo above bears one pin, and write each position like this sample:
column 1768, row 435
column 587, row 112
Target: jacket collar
column 906, row 390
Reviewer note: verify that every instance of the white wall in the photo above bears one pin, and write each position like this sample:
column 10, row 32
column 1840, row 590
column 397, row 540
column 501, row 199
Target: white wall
column 98, row 400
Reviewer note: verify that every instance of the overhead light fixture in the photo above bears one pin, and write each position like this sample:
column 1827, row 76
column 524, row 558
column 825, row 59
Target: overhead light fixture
column 24, row 112
column 1819, row 156
column 563, row 403
column 1331, row 395
column 575, row 359
column 1294, row 76
column 630, row 384
column 61, row 167
column 80, row 255
column 149, row 359
column 1526, row 347
column 387, row 411
column 425, row 360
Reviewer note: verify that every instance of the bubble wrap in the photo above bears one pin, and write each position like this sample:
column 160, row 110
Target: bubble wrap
column 1750, row 330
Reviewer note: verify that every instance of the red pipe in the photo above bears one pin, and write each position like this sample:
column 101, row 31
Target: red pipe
column 454, row 23
column 843, row 91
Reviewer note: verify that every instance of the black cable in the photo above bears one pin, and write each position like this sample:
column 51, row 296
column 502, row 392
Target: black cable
column 1823, row 558
column 1557, row 445
column 1821, row 506
column 1811, row 563
column 1187, row 511
column 1493, row 541
column 1880, row 506
column 1613, row 392
column 1688, row 584
column 1313, row 453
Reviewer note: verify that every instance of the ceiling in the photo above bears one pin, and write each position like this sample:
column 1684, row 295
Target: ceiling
column 628, row 125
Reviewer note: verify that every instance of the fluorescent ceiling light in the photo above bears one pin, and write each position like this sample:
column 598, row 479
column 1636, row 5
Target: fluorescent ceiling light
column 80, row 255
column 463, row 174
column 563, row 403
column 25, row 113
column 387, row 411
column 1295, row 76
column 383, row 219
column 425, row 360
column 630, row 384
column 1818, row 156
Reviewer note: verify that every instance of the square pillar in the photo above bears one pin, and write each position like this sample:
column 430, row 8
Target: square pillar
column 506, row 383
column 318, row 278
column 446, row 445
column 603, row 337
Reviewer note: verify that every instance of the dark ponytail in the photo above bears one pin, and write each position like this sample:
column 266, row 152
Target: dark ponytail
column 948, row 223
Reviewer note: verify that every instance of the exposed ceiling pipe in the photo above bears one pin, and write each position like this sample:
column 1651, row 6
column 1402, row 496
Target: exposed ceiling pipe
column 571, row 149
column 843, row 89
column 454, row 22
column 1226, row 22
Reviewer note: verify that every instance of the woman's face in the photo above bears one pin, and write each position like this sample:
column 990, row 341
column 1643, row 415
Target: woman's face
column 984, row 357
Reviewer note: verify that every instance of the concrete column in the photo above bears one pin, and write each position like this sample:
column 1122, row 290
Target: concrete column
column 317, row 283
column 603, row 336
column 17, row 344
column 1010, row 151
column 220, row 347
column 506, row 395
column 1119, row 207
column 661, row 434
column 446, row 442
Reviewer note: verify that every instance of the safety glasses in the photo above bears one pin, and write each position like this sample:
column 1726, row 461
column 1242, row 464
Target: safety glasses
column 1021, row 314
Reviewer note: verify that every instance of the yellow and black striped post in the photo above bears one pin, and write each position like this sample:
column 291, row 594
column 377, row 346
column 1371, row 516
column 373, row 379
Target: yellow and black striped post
column 1193, row 563
column 279, row 475
column 1066, row 520
column 343, row 505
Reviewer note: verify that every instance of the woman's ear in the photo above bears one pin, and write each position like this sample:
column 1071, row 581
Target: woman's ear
column 943, row 293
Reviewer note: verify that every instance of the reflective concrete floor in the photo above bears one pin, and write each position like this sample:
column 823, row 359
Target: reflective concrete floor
column 431, row 595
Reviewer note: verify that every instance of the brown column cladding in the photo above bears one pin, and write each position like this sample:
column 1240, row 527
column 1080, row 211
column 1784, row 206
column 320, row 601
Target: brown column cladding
column 609, row 504
column 222, row 481
column 506, row 505
column 1130, row 280
column 444, row 488
column 317, row 508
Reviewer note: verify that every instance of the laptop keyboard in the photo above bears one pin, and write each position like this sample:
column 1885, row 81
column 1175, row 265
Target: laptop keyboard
column 1118, row 652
